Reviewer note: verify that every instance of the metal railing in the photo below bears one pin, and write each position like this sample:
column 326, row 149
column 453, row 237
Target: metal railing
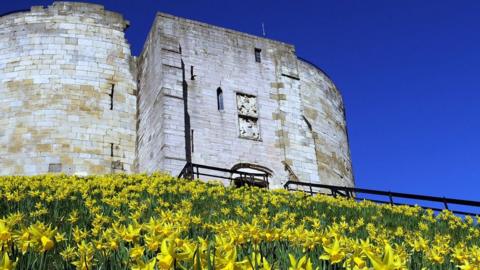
column 239, row 178
column 387, row 197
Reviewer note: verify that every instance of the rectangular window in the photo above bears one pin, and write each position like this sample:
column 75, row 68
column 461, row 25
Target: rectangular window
column 258, row 55
column 117, row 165
column 55, row 167
column 220, row 99
column 248, row 116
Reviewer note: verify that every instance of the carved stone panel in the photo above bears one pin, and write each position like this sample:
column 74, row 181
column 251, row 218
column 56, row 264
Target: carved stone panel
column 248, row 128
column 247, row 105
column 248, row 116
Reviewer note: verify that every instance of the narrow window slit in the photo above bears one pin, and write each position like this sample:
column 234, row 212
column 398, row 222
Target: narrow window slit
column 111, row 149
column 220, row 99
column 192, row 76
column 112, row 91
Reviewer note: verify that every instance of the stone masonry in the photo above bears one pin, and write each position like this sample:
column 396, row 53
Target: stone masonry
column 58, row 66
column 279, row 113
column 74, row 100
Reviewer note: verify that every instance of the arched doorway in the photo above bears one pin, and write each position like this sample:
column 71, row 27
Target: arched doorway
column 247, row 174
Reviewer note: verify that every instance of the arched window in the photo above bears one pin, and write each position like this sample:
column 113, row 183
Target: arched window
column 220, row 99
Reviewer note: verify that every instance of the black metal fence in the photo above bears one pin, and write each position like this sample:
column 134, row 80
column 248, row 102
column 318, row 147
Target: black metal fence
column 242, row 178
column 456, row 206
column 239, row 178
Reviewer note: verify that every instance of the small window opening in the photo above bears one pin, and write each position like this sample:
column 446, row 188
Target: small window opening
column 111, row 149
column 258, row 56
column 55, row 167
column 220, row 99
column 192, row 75
column 117, row 165
column 111, row 96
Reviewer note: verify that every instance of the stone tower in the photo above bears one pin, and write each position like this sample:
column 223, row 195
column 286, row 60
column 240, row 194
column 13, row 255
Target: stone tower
column 59, row 69
column 74, row 100
column 252, row 103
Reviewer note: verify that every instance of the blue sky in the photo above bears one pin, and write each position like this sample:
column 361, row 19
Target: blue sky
column 408, row 71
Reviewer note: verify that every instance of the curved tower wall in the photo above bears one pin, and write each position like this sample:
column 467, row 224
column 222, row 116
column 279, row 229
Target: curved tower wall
column 57, row 69
column 325, row 125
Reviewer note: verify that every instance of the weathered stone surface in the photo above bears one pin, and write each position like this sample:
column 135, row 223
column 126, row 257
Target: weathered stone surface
column 268, row 101
column 57, row 67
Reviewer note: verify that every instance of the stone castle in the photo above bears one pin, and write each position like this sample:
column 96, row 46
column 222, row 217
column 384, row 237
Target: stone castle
column 74, row 100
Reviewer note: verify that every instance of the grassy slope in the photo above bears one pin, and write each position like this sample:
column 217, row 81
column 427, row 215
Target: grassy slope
column 120, row 222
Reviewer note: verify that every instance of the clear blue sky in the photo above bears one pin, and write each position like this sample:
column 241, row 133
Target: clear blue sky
column 409, row 72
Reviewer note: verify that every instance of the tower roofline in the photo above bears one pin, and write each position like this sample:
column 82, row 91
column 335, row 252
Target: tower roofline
column 14, row 12
column 228, row 30
column 61, row 7
column 310, row 63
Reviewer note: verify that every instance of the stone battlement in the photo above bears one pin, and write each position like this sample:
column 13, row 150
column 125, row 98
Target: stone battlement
column 91, row 14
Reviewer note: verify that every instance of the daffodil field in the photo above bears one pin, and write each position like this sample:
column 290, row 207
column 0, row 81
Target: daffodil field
column 161, row 222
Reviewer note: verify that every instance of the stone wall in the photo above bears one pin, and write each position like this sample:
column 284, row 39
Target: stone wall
column 57, row 69
column 266, row 118
column 324, row 116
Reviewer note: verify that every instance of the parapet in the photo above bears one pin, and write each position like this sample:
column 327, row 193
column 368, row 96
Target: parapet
column 90, row 14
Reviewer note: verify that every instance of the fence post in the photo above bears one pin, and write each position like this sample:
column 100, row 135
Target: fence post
column 445, row 203
column 390, row 196
column 347, row 192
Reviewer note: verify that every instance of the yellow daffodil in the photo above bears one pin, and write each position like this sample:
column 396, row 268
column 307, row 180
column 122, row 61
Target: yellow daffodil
column 303, row 263
column 145, row 266
column 6, row 263
column 84, row 256
column 68, row 254
column 467, row 266
column 166, row 256
column 136, row 253
column 390, row 261
column 333, row 252
column 5, row 234
column 73, row 217
column 47, row 243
